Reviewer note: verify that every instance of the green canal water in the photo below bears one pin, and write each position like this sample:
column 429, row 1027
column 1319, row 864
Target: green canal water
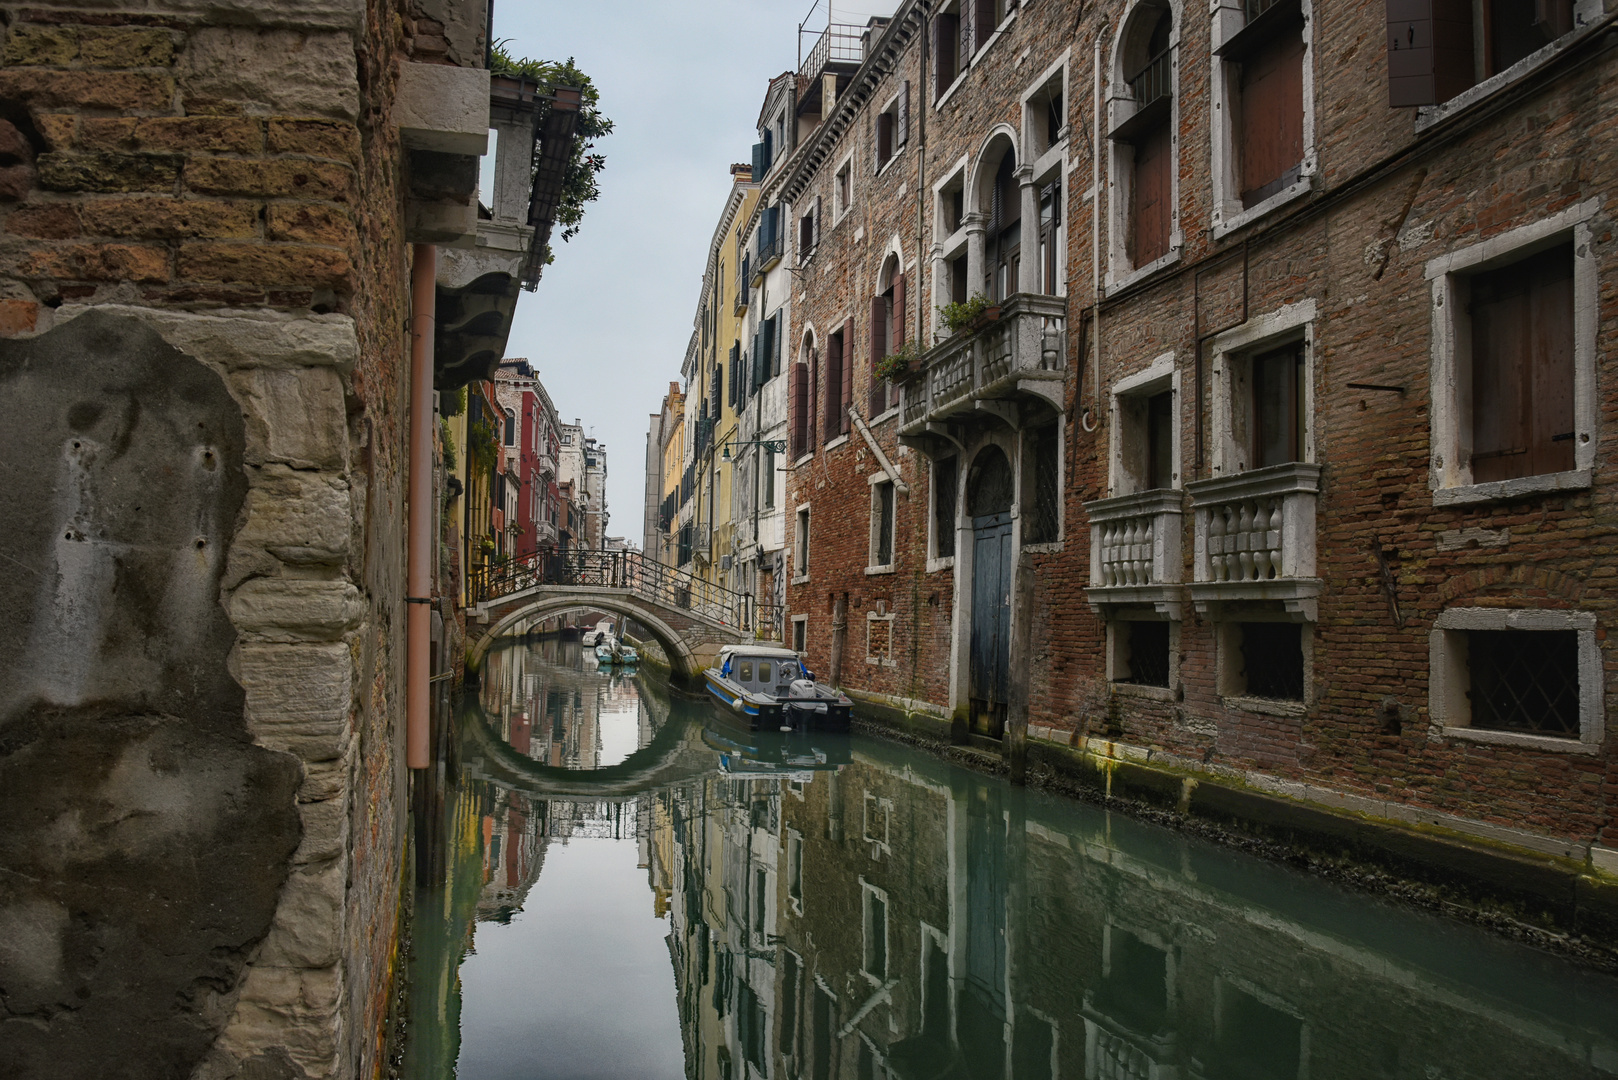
column 621, row 885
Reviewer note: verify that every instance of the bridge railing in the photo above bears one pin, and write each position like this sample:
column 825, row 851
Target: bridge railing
column 652, row 581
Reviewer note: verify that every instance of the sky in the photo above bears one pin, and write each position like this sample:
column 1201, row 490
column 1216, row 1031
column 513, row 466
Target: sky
column 683, row 83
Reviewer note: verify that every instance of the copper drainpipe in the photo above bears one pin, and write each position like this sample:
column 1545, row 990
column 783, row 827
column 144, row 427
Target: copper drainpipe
column 418, row 628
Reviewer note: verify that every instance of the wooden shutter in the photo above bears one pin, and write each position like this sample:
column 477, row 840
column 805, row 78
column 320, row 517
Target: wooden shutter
column 735, row 367
column 946, row 40
column 877, row 399
column 898, row 328
column 968, row 36
column 769, row 147
column 797, row 417
column 848, row 376
column 904, row 112
column 834, row 385
column 1147, row 238
column 780, row 339
column 718, row 385
column 1522, row 368
column 817, row 221
column 1429, row 51
column 1270, row 144
column 982, row 23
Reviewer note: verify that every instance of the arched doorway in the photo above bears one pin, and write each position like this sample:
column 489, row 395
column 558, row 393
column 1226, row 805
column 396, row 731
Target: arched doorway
column 989, row 492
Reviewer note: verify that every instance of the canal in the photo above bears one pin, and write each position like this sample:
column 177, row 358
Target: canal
column 621, row 885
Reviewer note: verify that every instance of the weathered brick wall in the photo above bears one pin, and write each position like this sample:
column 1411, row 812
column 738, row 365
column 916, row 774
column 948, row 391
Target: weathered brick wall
column 230, row 176
column 1356, row 246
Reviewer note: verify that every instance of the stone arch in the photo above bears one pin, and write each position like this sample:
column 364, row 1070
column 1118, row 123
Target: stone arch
column 1001, row 140
column 682, row 658
column 674, row 754
column 1131, row 45
column 991, row 484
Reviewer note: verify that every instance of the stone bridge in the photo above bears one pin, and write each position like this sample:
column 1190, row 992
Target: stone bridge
column 691, row 618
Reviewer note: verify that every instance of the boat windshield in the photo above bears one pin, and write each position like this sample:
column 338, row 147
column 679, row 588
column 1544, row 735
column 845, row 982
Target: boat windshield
column 764, row 672
column 744, row 671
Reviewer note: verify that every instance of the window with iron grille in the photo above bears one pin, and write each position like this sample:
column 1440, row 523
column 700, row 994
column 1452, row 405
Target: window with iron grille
column 1525, row 680
column 945, row 483
column 882, row 524
column 1044, row 522
column 1272, row 660
column 1145, row 653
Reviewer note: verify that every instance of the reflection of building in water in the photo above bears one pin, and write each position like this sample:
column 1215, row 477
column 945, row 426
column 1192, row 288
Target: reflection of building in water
column 548, row 701
column 902, row 919
column 515, row 833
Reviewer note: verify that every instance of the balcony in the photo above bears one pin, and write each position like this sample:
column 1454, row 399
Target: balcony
column 1023, row 353
column 544, row 533
column 840, row 48
column 1255, row 537
column 1135, row 550
column 544, row 463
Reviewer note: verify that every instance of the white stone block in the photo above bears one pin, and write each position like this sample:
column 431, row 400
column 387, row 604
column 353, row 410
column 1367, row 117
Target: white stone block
column 245, row 339
column 443, row 108
column 298, row 517
column 308, row 927
column 295, row 609
column 275, row 72
column 294, row 416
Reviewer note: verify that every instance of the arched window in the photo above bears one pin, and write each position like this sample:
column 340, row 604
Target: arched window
column 887, row 332
column 1004, row 233
column 1143, row 137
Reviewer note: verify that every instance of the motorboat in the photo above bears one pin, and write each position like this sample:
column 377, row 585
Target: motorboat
column 767, row 687
column 594, row 636
column 615, row 653
column 797, row 754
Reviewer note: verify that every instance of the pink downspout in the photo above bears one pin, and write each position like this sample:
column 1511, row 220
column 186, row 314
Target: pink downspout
column 418, row 601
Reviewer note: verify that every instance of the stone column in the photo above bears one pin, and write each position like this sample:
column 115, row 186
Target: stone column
column 1028, row 274
column 976, row 271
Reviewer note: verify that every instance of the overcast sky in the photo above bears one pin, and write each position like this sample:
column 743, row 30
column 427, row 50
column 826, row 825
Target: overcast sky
column 684, row 83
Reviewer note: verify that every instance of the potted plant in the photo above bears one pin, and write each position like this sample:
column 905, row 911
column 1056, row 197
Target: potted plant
column 897, row 364
column 970, row 315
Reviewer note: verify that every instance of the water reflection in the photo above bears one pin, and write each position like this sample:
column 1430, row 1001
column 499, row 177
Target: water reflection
column 715, row 905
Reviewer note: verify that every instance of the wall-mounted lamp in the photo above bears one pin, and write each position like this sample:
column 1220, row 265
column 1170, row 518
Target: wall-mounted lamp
column 774, row 446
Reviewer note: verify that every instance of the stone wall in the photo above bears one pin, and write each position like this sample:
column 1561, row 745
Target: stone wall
column 222, row 180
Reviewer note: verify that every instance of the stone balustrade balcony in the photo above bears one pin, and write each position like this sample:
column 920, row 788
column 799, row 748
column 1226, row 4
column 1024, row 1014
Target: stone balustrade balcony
column 1255, row 537
column 1135, row 549
column 1023, row 352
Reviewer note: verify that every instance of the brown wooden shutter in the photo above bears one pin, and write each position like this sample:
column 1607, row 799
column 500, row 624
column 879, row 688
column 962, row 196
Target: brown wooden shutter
column 834, row 384
column 1270, row 144
column 904, row 113
column 795, row 414
column 884, row 138
column 1429, row 51
column 982, row 23
column 817, row 221
column 848, row 376
column 898, row 328
column 946, row 38
column 876, row 399
column 1147, row 238
column 810, row 389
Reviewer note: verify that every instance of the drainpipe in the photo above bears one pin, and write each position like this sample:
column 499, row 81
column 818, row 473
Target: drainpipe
column 418, row 629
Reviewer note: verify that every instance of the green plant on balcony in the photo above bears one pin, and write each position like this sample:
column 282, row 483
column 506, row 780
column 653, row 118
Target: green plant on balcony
column 481, row 444
column 449, row 444
column 897, row 363
column 963, row 314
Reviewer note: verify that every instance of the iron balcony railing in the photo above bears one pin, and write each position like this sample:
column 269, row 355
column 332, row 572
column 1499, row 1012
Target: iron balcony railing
column 644, row 577
column 839, row 43
column 1027, row 343
column 1154, row 81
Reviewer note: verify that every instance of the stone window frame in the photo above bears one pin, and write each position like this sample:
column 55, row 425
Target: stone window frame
column 1226, row 629
column 873, row 568
column 1228, row 351
column 1115, row 645
column 1055, row 71
column 1025, row 465
column 1587, row 15
column 872, row 617
column 1450, row 713
column 803, row 522
column 800, row 640
column 948, row 248
column 839, row 205
column 1120, row 273
column 1450, row 367
column 868, row 890
column 1163, row 373
column 1225, row 979
column 1228, row 215
column 891, row 105
column 936, row 563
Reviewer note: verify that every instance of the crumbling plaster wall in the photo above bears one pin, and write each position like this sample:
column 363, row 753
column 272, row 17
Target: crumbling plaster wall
column 221, row 180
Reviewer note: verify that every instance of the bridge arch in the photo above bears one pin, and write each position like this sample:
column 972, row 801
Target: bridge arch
column 675, row 754
column 513, row 610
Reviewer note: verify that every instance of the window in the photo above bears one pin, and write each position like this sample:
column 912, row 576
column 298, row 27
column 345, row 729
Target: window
column 823, row 1028
column 1263, row 660
column 1046, row 116
column 1033, row 1047
column 875, row 960
column 893, row 127
column 1043, row 453
column 767, row 477
column 1137, row 977
column 882, row 524
column 952, row 205
column 1512, row 348
column 1143, row 144
column 948, row 60
column 1146, row 437
column 744, row 671
column 1530, row 677
column 887, row 333
column 945, row 485
column 1275, row 408
column 511, row 428
column 1258, row 1037
column 791, row 988
column 800, row 633
column 1435, row 51
column 1264, row 64
column 839, row 382
column 1051, row 259
column 1004, row 255
column 801, row 544
column 845, row 188
column 809, row 232
column 958, row 279
column 1142, row 652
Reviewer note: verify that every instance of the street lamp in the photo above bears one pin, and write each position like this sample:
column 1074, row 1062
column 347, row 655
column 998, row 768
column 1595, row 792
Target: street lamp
column 774, row 446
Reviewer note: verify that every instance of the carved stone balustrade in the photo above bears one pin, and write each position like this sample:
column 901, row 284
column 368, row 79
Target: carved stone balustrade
column 1135, row 550
column 1255, row 537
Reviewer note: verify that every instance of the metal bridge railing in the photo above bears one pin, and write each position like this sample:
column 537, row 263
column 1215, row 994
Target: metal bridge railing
column 650, row 580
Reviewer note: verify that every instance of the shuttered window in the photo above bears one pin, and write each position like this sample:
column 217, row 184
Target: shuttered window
column 735, row 373
column 944, row 496
column 1438, row 48
column 847, row 395
column 1522, row 367
column 1270, row 108
column 884, row 138
column 836, row 411
column 1150, row 197
column 880, row 308
column 946, row 51
column 1275, row 417
column 798, row 409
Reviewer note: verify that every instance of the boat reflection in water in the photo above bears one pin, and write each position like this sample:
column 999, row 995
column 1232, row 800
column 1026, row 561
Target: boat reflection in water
column 853, row 909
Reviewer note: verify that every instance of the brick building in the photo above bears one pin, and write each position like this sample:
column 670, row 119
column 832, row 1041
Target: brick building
column 1278, row 451
column 221, row 439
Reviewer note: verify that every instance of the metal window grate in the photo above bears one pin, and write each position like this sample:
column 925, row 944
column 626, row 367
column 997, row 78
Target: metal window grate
column 1148, row 653
column 944, row 497
column 1272, row 654
column 1044, row 524
column 1525, row 680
